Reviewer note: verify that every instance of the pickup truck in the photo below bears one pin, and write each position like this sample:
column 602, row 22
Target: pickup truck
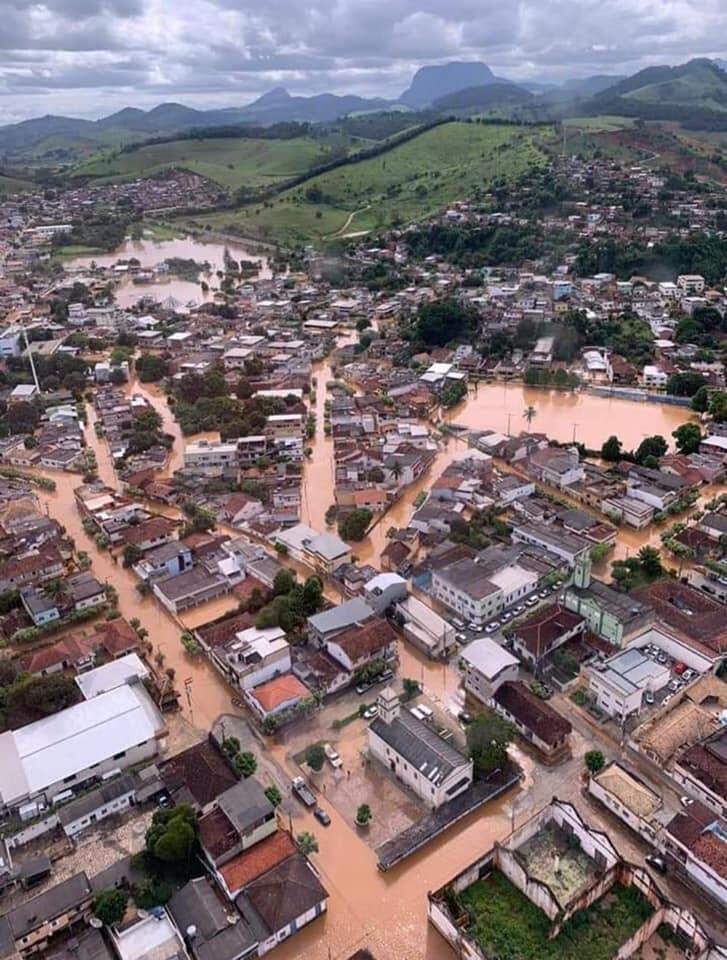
column 303, row 792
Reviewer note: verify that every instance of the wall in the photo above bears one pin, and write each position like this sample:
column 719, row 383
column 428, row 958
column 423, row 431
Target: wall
column 32, row 831
column 637, row 823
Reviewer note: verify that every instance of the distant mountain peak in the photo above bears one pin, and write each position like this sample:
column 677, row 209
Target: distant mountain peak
column 433, row 82
column 274, row 96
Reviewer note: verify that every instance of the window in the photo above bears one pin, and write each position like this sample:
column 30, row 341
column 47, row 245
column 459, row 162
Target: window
column 118, row 756
column 70, row 779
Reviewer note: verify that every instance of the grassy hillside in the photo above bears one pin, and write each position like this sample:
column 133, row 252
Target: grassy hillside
column 10, row 185
column 409, row 182
column 233, row 162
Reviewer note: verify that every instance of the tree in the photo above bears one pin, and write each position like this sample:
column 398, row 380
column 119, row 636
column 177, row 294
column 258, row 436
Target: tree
column 655, row 446
column 306, row 843
column 441, row 321
column 110, row 906
column 650, row 561
column 487, row 739
column 611, row 449
column 191, row 646
column 355, row 524
column 594, row 761
column 529, row 414
column 685, row 384
column 284, row 582
column 700, row 400
column 600, row 552
column 363, row 815
column 274, row 795
column 172, row 834
column 230, row 746
column 453, row 393
column 312, row 595
column 315, row 756
column 245, row 764
column 687, row 437
column 411, row 688
column 132, row 554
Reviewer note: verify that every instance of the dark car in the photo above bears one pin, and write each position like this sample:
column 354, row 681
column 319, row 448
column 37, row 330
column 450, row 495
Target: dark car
column 322, row 817
column 464, row 717
column 658, row 863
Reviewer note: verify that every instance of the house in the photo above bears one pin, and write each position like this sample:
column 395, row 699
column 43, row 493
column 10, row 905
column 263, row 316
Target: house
column 557, row 466
column 326, row 552
column 40, row 607
column 357, row 646
column 70, row 653
column 326, row 624
column 242, row 816
column 197, row 776
column 110, row 798
column 431, row 633
column 568, row 546
column 114, row 730
column 252, row 656
column 276, row 696
column 190, row 588
column 548, row 628
column 202, row 916
column 702, row 770
column 636, row 513
column 535, row 720
column 416, row 754
column 696, row 840
column 31, row 926
column 167, row 560
column 619, row 683
column 149, row 533
column 612, row 615
column 85, row 591
column 484, row 666
column 629, row 799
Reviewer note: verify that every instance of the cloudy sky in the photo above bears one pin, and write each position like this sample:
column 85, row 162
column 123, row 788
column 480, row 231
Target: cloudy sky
column 90, row 57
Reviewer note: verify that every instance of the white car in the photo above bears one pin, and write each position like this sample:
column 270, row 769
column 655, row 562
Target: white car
column 491, row 627
column 372, row 712
column 531, row 601
column 333, row 757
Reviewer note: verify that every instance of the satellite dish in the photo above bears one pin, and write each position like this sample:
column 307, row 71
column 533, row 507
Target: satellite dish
column 191, row 931
column 96, row 923
column 232, row 918
column 142, row 914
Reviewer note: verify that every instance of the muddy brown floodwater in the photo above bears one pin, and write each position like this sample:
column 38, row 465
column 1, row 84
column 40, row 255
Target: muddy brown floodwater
column 384, row 912
column 151, row 252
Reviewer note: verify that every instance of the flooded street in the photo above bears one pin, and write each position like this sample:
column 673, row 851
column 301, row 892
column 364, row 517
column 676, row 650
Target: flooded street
column 149, row 253
column 367, row 908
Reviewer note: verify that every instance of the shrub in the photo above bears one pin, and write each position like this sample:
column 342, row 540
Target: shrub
column 110, row 906
column 594, row 761
column 363, row 815
column 315, row 756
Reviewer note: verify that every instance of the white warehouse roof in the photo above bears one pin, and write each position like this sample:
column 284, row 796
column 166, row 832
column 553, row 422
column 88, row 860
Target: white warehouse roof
column 44, row 753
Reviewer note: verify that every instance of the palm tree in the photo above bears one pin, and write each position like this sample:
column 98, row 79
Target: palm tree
column 529, row 414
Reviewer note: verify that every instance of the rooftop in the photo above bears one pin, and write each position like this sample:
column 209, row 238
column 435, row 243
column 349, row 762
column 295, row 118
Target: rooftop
column 550, row 857
column 420, row 745
column 633, row 794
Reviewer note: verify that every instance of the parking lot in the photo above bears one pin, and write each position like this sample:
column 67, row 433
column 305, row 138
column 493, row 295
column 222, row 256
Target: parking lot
column 681, row 676
column 467, row 632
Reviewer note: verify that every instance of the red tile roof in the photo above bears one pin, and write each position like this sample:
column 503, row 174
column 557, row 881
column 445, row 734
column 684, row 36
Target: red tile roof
column 366, row 640
column 535, row 714
column 257, row 860
column 279, row 690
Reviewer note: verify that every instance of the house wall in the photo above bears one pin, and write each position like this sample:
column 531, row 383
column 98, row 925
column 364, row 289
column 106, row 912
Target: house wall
column 697, row 789
column 637, row 823
column 100, row 813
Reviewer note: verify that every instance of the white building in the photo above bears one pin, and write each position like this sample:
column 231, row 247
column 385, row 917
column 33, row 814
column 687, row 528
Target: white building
column 211, row 458
column 253, row 657
column 485, row 665
column 619, row 684
column 415, row 753
column 425, row 628
column 653, row 377
column 112, row 731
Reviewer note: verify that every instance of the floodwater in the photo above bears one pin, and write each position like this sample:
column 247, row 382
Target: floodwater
column 384, row 912
column 151, row 252
column 566, row 416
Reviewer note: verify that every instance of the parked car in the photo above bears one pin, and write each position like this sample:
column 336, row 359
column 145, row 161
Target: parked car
column 680, row 668
column 362, row 688
column 649, row 697
column 491, row 627
column 505, row 616
column 322, row 817
column 303, row 792
column 371, row 712
column 457, row 623
column 332, row 755
column 464, row 717
column 425, row 711
column 531, row 601
column 518, row 609
column 543, row 594
column 657, row 862
column 385, row 675
column 461, row 638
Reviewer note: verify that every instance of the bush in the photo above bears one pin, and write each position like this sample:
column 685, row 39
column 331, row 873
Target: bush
column 274, row 795
column 594, row 761
column 307, row 843
column 363, row 815
column 152, row 893
column 355, row 524
column 110, row 906
column 245, row 764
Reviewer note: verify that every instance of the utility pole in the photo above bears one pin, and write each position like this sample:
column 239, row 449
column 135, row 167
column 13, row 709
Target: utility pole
column 30, row 356
column 575, row 426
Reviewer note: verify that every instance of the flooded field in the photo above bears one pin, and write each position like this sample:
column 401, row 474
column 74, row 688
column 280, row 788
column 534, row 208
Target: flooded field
column 152, row 252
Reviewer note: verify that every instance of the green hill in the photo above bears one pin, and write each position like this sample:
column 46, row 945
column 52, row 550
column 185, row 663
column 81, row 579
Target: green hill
column 694, row 93
column 231, row 162
column 411, row 181
column 10, row 185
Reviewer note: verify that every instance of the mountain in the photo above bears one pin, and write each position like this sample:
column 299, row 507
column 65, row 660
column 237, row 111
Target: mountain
column 667, row 92
column 722, row 64
column 489, row 97
column 432, row 83
column 131, row 124
column 589, row 86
